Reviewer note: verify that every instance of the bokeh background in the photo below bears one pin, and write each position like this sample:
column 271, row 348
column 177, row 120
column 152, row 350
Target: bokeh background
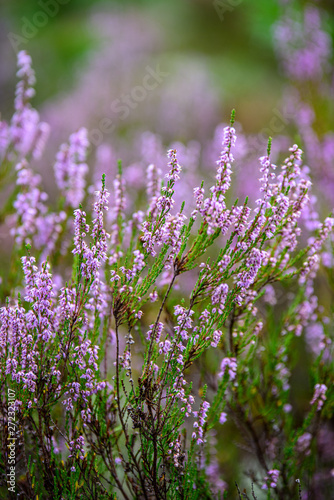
column 223, row 50
column 235, row 54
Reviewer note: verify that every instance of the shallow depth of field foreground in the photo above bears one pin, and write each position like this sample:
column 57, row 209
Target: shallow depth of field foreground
column 166, row 318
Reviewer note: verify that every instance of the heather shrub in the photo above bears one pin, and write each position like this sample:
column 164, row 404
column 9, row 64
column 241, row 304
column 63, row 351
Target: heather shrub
column 170, row 350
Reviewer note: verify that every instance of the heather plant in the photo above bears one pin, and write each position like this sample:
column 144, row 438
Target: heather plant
column 174, row 350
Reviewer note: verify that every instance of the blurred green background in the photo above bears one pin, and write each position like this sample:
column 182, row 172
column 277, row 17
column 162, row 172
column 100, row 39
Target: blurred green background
column 238, row 49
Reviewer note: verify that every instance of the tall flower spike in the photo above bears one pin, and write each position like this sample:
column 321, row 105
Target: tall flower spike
column 116, row 214
column 81, row 228
column 99, row 234
column 224, row 170
column 174, row 167
column 33, row 223
column 70, row 168
column 213, row 209
column 160, row 230
column 39, row 292
column 26, row 133
column 199, row 425
column 319, row 396
column 267, row 174
column 24, row 88
column 165, row 202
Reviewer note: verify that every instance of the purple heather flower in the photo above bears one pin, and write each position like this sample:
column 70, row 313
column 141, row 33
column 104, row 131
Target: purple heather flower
column 224, row 163
column 24, row 89
column 184, row 321
column 316, row 338
column 309, row 268
column 216, row 338
column 319, row 395
column 26, row 133
column 199, row 196
column 70, row 168
column 267, row 174
column 154, row 296
column 199, row 424
column 39, row 287
column 223, row 418
column 253, row 264
column 33, row 223
column 303, row 443
column 76, row 447
column 81, row 228
column 119, row 202
column 218, row 297
column 166, row 229
column 324, row 230
column 157, row 331
column 165, row 347
column 287, row 408
column 271, row 479
column 269, row 295
column 241, row 216
column 174, row 167
column 175, row 448
column 229, row 364
column 213, row 209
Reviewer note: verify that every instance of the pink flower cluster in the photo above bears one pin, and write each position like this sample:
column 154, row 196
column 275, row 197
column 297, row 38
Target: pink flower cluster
column 271, row 479
column 319, row 395
column 70, row 168
column 199, row 425
column 229, row 364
